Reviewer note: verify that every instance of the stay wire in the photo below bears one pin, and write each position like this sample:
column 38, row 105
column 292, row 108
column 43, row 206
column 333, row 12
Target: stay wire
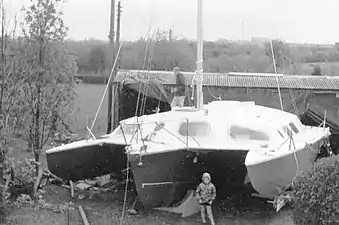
column 106, row 88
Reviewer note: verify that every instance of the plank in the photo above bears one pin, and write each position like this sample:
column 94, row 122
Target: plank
column 72, row 188
column 83, row 215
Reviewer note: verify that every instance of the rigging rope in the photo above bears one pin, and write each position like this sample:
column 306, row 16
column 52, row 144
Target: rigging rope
column 296, row 111
column 295, row 158
column 146, row 87
column 125, row 194
column 136, row 111
column 106, row 88
column 213, row 96
column 144, row 99
column 143, row 67
column 276, row 77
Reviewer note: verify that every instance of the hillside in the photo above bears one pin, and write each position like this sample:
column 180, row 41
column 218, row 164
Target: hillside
column 220, row 56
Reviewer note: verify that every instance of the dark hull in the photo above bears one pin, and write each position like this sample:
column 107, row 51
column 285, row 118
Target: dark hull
column 312, row 118
column 153, row 178
column 87, row 162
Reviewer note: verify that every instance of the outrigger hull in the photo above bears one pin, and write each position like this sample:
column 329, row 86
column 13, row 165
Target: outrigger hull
column 270, row 178
column 162, row 179
column 86, row 161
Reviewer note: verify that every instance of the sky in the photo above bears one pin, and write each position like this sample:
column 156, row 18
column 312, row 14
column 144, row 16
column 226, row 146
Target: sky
column 311, row 21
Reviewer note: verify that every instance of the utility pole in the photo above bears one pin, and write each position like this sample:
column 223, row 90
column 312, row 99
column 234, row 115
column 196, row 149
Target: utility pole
column 117, row 66
column 118, row 24
column 170, row 35
column 110, row 85
column 3, row 57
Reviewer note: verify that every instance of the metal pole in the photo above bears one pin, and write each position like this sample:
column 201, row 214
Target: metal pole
column 199, row 77
column 110, row 85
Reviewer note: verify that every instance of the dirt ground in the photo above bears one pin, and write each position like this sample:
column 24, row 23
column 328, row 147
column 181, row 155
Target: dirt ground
column 102, row 209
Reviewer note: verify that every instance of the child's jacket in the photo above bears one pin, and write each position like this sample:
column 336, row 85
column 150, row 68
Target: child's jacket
column 205, row 193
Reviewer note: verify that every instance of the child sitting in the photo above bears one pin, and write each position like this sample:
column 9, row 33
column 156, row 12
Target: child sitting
column 206, row 194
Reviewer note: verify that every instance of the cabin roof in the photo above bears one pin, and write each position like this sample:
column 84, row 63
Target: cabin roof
column 250, row 80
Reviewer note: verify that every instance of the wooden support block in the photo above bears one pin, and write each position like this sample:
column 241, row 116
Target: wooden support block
column 83, row 215
column 72, row 188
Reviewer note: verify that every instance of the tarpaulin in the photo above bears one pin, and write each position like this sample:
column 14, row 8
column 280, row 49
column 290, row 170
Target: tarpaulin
column 158, row 87
column 151, row 89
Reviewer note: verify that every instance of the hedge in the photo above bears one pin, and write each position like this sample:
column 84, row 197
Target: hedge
column 316, row 194
column 92, row 79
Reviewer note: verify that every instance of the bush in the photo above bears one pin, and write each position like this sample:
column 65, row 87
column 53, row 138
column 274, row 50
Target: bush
column 316, row 194
column 23, row 177
column 92, row 79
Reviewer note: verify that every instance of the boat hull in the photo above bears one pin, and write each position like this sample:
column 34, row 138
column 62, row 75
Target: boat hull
column 313, row 118
column 271, row 177
column 162, row 179
column 87, row 161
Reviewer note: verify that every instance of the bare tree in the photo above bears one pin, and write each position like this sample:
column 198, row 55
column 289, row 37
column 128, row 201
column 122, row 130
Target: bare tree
column 2, row 135
column 48, row 88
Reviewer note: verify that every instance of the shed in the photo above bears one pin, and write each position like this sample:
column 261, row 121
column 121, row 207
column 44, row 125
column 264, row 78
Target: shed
column 299, row 93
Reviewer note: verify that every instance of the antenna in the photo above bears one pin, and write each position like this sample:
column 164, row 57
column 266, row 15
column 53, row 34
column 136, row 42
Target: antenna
column 242, row 30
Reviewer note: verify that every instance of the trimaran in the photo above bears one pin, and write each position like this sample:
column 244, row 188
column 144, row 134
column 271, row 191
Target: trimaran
column 236, row 142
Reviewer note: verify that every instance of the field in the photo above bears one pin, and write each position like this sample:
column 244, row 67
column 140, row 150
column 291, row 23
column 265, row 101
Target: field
column 86, row 105
column 327, row 68
column 106, row 208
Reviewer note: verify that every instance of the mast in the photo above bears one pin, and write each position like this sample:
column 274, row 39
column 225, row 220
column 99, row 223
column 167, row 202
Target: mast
column 200, row 44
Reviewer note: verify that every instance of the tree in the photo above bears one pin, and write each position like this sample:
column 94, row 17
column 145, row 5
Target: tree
column 97, row 59
column 316, row 71
column 48, row 81
column 2, row 141
column 281, row 53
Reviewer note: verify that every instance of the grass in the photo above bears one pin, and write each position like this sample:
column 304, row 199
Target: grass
column 106, row 208
column 86, row 105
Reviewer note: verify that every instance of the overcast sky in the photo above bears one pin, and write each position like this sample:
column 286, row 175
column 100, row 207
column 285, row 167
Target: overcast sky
column 312, row 21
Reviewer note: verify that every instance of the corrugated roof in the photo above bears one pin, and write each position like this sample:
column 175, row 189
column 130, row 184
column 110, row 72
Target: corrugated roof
column 238, row 80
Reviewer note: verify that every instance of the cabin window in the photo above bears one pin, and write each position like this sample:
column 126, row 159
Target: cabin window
column 288, row 131
column 243, row 133
column 294, row 128
column 195, row 129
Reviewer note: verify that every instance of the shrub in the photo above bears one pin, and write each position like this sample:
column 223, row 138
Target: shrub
column 23, row 176
column 24, row 170
column 92, row 79
column 316, row 194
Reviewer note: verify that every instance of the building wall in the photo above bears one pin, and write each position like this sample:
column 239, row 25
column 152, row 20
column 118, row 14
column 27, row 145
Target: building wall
column 264, row 97
column 294, row 101
column 321, row 102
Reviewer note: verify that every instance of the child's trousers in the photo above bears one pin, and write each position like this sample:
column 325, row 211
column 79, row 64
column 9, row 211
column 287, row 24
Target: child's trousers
column 209, row 213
